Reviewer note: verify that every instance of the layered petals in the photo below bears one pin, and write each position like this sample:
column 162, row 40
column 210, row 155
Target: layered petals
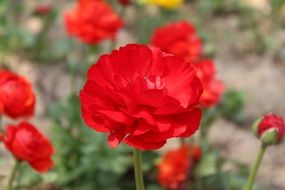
column 92, row 21
column 17, row 98
column 142, row 97
column 183, row 41
column 213, row 88
column 26, row 143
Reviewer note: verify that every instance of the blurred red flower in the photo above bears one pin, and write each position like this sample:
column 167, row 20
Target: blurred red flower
column 16, row 96
column 141, row 96
column 272, row 122
column 213, row 88
column 92, row 21
column 125, row 2
column 175, row 166
column 26, row 143
column 42, row 9
column 180, row 39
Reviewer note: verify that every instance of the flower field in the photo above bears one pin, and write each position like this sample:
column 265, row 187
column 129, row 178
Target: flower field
column 142, row 95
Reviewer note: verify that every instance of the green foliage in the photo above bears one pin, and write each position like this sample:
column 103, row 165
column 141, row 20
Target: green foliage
column 8, row 33
column 232, row 106
column 146, row 24
column 83, row 159
column 27, row 177
column 207, row 166
column 37, row 46
column 277, row 5
column 209, row 173
column 219, row 6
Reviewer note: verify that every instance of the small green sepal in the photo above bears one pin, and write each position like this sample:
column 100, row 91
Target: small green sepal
column 269, row 137
column 255, row 126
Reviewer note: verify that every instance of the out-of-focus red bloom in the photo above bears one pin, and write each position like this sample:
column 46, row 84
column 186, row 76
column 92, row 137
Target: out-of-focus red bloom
column 195, row 152
column 125, row 2
column 92, row 21
column 26, row 143
column 42, row 10
column 141, row 96
column 180, row 39
column 272, row 122
column 213, row 88
column 175, row 167
column 16, row 96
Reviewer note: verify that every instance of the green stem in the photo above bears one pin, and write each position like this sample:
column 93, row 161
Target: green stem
column 254, row 169
column 13, row 175
column 138, row 169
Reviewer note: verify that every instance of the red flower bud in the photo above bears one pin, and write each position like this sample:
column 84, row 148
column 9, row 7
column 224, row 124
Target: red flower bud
column 16, row 96
column 270, row 129
column 26, row 143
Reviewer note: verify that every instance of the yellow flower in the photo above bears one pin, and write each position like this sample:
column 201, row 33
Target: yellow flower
column 169, row 4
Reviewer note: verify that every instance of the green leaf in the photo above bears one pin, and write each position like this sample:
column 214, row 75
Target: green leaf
column 207, row 166
column 232, row 105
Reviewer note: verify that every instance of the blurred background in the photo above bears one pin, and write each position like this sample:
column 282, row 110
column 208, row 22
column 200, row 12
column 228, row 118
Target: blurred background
column 245, row 38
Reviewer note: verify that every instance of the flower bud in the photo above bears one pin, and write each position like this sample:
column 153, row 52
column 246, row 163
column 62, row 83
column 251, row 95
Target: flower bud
column 269, row 137
column 270, row 129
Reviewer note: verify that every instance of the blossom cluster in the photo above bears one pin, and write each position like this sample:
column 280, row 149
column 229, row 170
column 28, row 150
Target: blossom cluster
column 142, row 95
column 23, row 140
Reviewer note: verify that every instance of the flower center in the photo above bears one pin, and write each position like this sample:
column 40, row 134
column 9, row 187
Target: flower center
column 153, row 82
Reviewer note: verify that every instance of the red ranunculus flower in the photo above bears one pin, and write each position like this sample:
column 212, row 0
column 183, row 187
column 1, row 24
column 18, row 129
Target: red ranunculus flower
column 213, row 88
column 16, row 96
column 26, row 143
column 175, row 167
column 141, row 96
column 92, row 21
column 180, row 39
column 185, row 43
column 272, row 122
